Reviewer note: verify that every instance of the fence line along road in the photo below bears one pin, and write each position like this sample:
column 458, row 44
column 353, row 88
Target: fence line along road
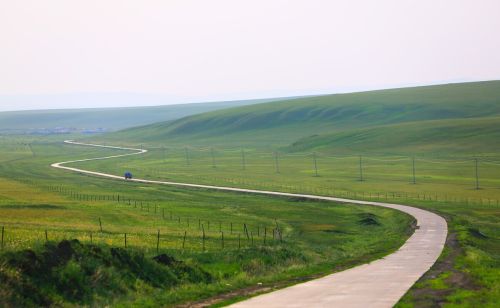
column 380, row 283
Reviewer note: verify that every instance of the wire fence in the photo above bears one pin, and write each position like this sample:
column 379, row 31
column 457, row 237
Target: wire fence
column 174, row 231
column 319, row 169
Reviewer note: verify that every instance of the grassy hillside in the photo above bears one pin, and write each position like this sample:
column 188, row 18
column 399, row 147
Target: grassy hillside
column 415, row 124
column 158, row 245
column 451, row 136
column 434, row 132
column 284, row 122
column 468, row 272
column 108, row 118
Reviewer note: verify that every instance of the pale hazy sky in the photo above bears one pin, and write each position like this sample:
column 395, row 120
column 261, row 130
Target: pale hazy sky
column 211, row 50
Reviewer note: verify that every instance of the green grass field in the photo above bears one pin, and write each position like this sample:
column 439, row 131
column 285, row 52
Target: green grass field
column 443, row 185
column 431, row 147
column 39, row 203
column 445, row 178
column 434, row 147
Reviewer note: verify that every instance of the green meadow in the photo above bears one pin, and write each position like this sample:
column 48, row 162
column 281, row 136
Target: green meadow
column 469, row 270
column 431, row 147
column 434, row 147
column 232, row 241
column 443, row 178
column 446, row 185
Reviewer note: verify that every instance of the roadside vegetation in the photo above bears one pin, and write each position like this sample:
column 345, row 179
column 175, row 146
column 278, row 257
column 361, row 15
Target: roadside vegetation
column 467, row 273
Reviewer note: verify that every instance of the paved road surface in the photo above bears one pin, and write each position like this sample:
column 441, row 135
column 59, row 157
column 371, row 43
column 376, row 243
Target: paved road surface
column 380, row 283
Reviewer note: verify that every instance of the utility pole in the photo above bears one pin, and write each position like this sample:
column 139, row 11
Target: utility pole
column 315, row 164
column 187, row 155
column 243, row 162
column 31, row 149
column 360, row 169
column 276, row 162
column 413, row 165
column 477, row 173
column 213, row 158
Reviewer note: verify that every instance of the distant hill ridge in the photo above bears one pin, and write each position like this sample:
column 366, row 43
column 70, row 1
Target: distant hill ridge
column 107, row 118
column 337, row 121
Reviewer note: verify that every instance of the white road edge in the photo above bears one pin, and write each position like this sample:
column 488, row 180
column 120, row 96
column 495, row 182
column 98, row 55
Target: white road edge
column 380, row 283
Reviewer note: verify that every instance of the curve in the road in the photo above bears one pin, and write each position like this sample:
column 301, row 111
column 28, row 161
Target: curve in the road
column 380, row 283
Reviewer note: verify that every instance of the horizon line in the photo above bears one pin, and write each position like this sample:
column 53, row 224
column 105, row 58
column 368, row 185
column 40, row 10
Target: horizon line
column 208, row 101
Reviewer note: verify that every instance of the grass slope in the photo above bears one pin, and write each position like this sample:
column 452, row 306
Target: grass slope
column 281, row 123
column 473, row 135
column 109, row 118
column 76, row 273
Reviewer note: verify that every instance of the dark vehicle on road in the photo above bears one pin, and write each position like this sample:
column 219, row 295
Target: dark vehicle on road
column 128, row 175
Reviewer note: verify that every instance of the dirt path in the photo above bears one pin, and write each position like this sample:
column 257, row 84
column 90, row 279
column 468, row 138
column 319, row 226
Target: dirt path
column 380, row 283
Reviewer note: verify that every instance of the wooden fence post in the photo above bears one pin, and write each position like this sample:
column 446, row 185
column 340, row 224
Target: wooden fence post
column 158, row 242
column 203, row 237
column 246, row 230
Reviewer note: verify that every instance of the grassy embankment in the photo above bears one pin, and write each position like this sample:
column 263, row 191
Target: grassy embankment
column 39, row 204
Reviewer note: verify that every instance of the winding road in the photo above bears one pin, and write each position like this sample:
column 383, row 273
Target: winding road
column 380, row 283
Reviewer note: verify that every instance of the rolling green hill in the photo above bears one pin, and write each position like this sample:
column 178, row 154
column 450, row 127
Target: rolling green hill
column 472, row 135
column 441, row 117
column 107, row 118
